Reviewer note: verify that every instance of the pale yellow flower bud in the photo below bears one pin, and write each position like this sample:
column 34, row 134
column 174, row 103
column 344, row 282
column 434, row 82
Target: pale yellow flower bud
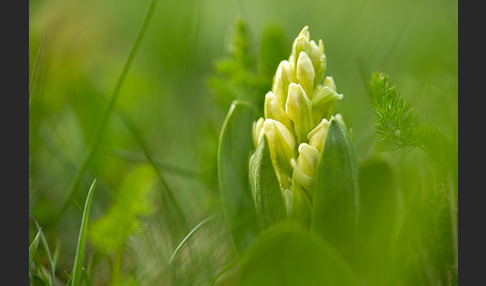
column 305, row 165
column 299, row 109
column 324, row 99
column 329, row 82
column 301, row 44
column 283, row 77
column 257, row 131
column 339, row 118
column 273, row 110
column 281, row 144
column 305, row 74
column 317, row 136
column 316, row 53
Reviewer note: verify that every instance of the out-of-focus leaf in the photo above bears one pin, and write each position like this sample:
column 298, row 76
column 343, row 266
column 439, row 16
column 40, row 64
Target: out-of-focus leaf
column 273, row 49
column 265, row 188
column 289, row 255
column 132, row 202
column 336, row 194
column 235, row 144
column 377, row 221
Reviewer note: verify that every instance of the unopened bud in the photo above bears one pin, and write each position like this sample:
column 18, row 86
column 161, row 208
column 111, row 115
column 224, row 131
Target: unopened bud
column 317, row 136
column 273, row 110
column 283, row 77
column 299, row 109
column 301, row 44
column 281, row 144
column 316, row 53
column 324, row 99
column 339, row 118
column 257, row 131
column 305, row 165
column 305, row 73
column 329, row 82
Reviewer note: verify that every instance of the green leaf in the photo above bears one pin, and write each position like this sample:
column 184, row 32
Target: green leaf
column 233, row 155
column 48, row 252
column 33, row 247
column 336, row 194
column 83, row 233
column 188, row 236
column 32, row 250
column 269, row 203
column 289, row 255
column 377, row 222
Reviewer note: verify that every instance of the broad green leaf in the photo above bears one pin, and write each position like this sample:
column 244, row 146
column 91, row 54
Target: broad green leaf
column 269, row 203
column 336, row 194
column 235, row 144
column 377, row 222
column 289, row 255
column 83, row 233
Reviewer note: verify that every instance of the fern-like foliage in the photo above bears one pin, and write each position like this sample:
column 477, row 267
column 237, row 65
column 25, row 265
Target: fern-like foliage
column 396, row 121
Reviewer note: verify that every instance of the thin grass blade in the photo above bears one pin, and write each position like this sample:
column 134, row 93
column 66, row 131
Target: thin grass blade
column 106, row 115
column 188, row 236
column 235, row 144
column 48, row 252
column 83, row 233
column 32, row 250
column 33, row 247
column 35, row 70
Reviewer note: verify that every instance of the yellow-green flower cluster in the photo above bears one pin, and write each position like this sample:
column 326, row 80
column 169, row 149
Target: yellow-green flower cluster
column 296, row 114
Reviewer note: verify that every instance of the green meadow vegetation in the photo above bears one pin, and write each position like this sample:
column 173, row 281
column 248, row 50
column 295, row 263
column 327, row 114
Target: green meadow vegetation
column 158, row 157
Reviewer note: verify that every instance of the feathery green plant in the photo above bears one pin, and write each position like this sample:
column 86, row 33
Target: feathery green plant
column 133, row 202
column 245, row 73
column 396, row 121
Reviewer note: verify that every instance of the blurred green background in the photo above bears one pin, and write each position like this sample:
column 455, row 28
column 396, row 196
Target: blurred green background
column 167, row 96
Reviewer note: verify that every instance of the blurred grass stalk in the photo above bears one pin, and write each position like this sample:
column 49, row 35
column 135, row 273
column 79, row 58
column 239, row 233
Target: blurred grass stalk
column 106, row 115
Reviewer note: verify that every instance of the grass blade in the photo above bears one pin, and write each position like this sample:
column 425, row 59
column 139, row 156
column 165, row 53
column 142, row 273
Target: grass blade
column 32, row 250
column 235, row 144
column 167, row 166
column 198, row 226
column 83, row 233
column 36, row 68
column 106, row 115
column 49, row 257
column 33, row 247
